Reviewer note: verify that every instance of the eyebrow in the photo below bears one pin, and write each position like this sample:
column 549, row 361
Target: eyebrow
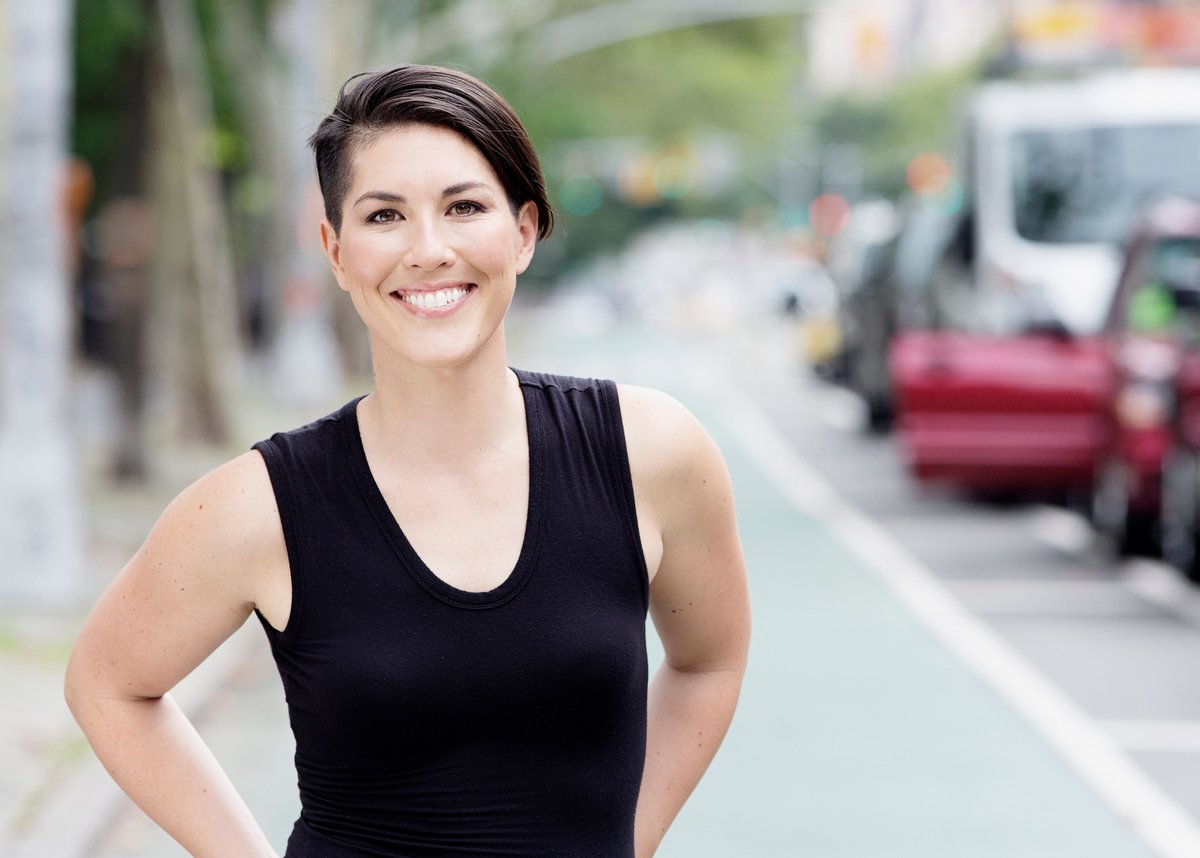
column 389, row 197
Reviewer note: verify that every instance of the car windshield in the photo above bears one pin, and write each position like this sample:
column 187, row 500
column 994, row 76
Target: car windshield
column 1087, row 184
column 920, row 248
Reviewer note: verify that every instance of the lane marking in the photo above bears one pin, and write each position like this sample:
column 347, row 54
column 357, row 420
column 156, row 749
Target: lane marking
column 1059, row 528
column 1168, row 737
column 1155, row 817
column 1162, row 586
column 838, row 408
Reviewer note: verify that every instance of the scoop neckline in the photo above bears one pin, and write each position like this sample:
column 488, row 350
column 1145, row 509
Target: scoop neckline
column 403, row 549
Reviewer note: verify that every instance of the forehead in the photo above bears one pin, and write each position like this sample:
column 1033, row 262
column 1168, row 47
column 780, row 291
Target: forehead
column 415, row 154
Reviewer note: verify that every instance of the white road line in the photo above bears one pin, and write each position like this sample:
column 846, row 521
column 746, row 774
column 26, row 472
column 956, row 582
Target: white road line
column 1062, row 529
column 1162, row 586
column 1169, row 737
column 1160, row 821
column 838, row 408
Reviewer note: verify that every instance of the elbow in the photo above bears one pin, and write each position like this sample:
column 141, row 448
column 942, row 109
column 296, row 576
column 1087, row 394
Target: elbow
column 91, row 693
column 75, row 690
column 84, row 687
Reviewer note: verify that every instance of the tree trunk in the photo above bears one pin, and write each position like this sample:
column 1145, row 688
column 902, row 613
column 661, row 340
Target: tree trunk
column 125, row 248
column 348, row 51
column 307, row 364
column 260, row 95
column 195, row 272
column 41, row 521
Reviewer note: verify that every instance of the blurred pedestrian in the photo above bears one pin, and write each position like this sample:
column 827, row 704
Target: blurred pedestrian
column 453, row 571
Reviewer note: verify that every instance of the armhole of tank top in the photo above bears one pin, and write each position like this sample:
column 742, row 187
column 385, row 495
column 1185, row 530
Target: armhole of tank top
column 623, row 477
column 287, row 520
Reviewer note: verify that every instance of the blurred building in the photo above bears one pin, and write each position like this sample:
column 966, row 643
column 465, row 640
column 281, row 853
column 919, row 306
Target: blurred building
column 1063, row 33
column 864, row 46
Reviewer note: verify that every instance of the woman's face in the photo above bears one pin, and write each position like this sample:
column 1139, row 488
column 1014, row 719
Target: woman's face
column 429, row 248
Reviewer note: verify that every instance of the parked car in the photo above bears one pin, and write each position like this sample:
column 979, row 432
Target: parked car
column 858, row 258
column 894, row 296
column 810, row 296
column 1150, row 473
column 1011, row 385
column 1153, row 324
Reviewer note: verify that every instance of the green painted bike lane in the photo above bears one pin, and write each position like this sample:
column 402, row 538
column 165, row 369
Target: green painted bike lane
column 859, row 734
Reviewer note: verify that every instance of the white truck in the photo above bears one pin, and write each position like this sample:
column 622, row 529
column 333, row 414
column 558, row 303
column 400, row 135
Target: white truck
column 1055, row 173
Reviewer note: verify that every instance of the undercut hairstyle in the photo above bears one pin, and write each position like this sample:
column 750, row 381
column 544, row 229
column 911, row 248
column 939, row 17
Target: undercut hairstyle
column 371, row 103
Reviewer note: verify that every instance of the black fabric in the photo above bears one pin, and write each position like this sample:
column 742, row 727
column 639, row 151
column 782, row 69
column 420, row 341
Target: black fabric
column 431, row 721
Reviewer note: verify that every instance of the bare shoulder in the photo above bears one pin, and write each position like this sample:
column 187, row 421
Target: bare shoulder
column 698, row 596
column 200, row 572
column 228, row 514
column 670, row 452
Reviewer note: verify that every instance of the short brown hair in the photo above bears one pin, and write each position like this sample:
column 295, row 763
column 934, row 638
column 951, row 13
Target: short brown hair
column 428, row 95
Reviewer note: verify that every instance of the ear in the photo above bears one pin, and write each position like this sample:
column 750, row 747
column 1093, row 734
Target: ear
column 527, row 231
column 333, row 251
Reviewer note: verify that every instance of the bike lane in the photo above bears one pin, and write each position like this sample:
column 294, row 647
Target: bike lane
column 877, row 720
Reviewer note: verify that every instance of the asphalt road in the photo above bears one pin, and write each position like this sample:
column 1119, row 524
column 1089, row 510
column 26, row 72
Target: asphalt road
column 929, row 677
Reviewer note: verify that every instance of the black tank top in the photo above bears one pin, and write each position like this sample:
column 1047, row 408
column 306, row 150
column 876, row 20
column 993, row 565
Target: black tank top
column 431, row 721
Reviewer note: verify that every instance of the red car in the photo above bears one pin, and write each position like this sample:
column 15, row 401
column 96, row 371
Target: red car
column 1045, row 409
column 1150, row 334
column 993, row 393
column 1157, row 334
column 1001, row 412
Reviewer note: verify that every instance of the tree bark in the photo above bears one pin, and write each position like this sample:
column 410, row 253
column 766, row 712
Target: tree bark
column 195, row 267
column 125, row 248
column 260, row 96
column 307, row 364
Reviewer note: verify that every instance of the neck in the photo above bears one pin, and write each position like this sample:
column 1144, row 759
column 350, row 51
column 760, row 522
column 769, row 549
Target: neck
column 445, row 412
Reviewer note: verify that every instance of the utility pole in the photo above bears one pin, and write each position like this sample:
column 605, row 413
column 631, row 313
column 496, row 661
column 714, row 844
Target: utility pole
column 41, row 521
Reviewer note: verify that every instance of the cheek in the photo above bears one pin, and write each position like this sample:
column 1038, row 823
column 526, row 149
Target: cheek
column 501, row 253
column 367, row 262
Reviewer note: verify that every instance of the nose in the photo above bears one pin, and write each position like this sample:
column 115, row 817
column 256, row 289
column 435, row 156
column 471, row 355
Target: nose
column 427, row 247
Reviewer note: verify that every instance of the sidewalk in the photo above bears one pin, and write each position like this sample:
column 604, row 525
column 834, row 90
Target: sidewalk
column 55, row 797
column 42, row 752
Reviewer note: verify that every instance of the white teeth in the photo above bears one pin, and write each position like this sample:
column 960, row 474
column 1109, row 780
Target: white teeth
column 434, row 300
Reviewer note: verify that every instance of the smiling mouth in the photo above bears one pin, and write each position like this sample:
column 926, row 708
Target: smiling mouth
column 434, row 300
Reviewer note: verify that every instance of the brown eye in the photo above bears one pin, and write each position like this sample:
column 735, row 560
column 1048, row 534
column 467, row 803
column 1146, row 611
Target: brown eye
column 465, row 208
column 385, row 216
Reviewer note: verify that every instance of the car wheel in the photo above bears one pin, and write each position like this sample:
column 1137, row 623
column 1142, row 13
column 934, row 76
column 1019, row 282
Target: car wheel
column 879, row 414
column 1128, row 530
column 1181, row 512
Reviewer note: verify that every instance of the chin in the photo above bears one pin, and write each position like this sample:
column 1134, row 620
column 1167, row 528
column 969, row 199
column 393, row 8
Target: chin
column 437, row 352
column 439, row 359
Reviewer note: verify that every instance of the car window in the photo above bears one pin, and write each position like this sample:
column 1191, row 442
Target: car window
column 920, row 248
column 1166, row 300
column 1087, row 184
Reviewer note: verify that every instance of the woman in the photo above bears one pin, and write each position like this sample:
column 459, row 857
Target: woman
column 454, row 570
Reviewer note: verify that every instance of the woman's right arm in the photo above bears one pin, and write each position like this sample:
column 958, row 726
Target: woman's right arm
column 191, row 585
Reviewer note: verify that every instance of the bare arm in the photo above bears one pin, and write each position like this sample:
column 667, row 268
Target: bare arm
column 190, row 586
column 698, row 601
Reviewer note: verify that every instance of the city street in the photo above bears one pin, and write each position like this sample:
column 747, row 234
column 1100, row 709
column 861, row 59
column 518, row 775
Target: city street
column 798, row 219
column 929, row 677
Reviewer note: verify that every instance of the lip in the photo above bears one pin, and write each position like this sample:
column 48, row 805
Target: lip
column 434, row 312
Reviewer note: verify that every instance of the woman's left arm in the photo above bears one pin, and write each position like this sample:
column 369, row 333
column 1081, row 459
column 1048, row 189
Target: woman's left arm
column 698, row 600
